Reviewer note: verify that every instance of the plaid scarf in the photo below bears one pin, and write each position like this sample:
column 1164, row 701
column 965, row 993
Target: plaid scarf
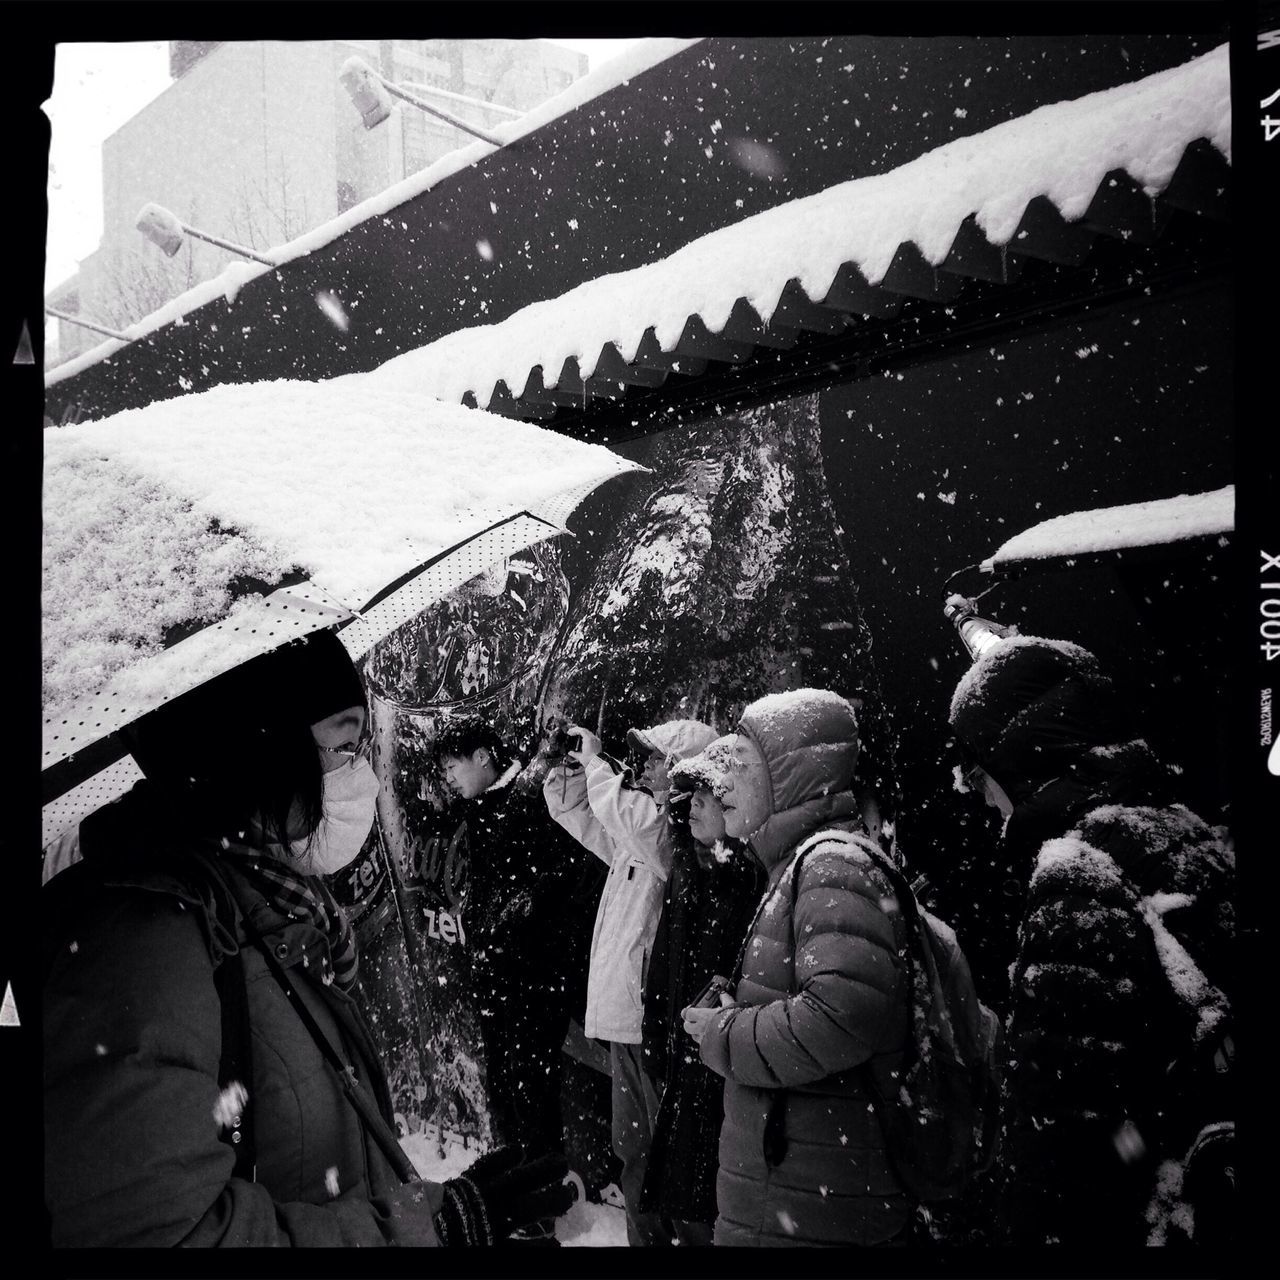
column 307, row 898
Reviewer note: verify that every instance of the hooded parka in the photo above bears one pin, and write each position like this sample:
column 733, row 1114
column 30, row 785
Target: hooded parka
column 136, row 1149
column 822, row 992
column 1118, row 1008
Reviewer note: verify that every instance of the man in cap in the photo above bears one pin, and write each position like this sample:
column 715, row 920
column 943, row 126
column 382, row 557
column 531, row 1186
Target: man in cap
column 1119, row 924
column 620, row 815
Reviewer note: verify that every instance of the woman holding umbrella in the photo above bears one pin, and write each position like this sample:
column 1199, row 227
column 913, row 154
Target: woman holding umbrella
column 209, row 1079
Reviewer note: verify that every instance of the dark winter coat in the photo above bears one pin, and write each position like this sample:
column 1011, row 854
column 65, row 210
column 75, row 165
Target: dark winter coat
column 1119, row 995
column 530, row 903
column 529, row 908
column 822, row 992
column 132, row 1046
column 705, row 916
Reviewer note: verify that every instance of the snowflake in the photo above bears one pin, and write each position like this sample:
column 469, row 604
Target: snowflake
column 230, row 1105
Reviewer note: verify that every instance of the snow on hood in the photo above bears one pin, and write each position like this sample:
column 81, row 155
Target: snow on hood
column 1071, row 859
column 152, row 515
column 809, row 741
column 705, row 770
column 1062, row 151
column 677, row 739
column 1136, row 524
column 974, row 681
column 630, row 63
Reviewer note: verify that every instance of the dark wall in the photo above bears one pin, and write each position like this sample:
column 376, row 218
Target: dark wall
column 725, row 129
column 1126, row 406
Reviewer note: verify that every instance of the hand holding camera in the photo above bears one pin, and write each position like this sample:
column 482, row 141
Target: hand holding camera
column 588, row 745
column 559, row 741
column 697, row 1014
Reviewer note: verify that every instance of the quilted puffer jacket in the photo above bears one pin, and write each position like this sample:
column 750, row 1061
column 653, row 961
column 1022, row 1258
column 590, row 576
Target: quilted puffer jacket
column 134, row 1150
column 822, row 992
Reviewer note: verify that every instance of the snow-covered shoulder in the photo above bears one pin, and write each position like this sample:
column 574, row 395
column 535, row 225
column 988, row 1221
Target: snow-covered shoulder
column 974, row 681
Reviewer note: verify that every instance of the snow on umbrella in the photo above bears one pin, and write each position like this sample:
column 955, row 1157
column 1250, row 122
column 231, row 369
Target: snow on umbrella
column 185, row 537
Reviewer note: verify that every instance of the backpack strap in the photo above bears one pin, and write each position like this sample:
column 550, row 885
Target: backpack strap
column 366, row 1111
column 236, row 1063
column 235, row 1066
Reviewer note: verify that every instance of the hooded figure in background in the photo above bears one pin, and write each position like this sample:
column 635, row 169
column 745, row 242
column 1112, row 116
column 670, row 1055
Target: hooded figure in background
column 822, row 992
column 1119, row 925
column 712, row 893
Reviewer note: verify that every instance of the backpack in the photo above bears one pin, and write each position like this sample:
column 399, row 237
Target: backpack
column 939, row 1106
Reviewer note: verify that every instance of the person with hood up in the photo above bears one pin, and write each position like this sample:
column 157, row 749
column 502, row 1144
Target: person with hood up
column 712, row 893
column 620, row 815
column 208, row 1076
column 1118, row 929
column 821, row 992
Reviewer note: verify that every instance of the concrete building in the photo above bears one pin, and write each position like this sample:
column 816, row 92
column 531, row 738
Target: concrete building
column 257, row 142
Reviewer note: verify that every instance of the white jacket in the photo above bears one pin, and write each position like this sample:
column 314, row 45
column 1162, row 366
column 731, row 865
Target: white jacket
column 624, row 825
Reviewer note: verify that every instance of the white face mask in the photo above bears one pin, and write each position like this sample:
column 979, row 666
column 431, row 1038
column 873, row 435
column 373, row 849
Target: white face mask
column 350, row 802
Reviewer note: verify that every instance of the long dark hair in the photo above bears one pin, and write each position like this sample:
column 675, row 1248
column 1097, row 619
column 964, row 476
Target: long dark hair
column 237, row 753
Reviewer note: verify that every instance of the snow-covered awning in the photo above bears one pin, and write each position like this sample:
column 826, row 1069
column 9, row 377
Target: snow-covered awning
column 1038, row 186
column 227, row 284
column 1137, row 524
column 183, row 538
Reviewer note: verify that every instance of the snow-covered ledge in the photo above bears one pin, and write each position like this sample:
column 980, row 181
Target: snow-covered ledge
column 1061, row 151
column 1136, row 524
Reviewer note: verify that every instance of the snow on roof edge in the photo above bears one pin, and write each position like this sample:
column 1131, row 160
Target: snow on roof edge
column 1134, row 524
column 1061, row 150
column 610, row 74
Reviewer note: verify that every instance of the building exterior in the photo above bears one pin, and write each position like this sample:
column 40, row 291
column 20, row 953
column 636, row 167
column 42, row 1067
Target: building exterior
column 257, row 142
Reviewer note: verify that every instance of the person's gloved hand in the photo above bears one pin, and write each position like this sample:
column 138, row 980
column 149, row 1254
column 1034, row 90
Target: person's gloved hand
column 499, row 1193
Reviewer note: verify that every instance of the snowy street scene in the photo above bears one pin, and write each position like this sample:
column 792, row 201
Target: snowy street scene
column 637, row 643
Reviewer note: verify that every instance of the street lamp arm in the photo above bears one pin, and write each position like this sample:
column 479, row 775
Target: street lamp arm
column 449, row 96
column 228, row 245
column 87, row 324
column 165, row 230
column 474, row 130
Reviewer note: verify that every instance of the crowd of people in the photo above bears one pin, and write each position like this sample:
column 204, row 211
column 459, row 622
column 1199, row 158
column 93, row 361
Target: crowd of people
column 714, row 908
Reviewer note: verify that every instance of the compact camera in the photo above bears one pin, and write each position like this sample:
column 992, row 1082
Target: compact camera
column 709, row 996
column 559, row 741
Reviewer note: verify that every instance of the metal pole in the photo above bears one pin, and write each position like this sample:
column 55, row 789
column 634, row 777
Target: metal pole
column 85, row 324
column 226, row 244
column 398, row 92
column 510, row 112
